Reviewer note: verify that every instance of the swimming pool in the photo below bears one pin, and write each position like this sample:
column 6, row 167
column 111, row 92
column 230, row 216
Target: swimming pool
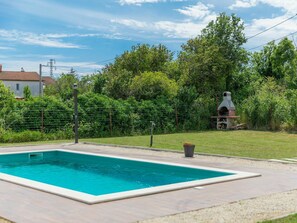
column 94, row 178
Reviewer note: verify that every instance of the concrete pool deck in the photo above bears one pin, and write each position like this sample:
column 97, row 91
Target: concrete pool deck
column 22, row 204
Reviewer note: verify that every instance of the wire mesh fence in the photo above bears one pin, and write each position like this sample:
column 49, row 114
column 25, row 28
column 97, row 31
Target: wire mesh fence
column 97, row 122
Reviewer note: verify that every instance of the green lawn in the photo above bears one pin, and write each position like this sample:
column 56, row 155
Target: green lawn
column 289, row 219
column 256, row 144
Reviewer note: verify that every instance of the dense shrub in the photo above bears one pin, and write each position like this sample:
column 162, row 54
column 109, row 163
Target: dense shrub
column 268, row 108
column 31, row 136
column 46, row 114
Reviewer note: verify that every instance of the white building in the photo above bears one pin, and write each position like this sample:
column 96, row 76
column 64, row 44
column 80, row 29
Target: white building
column 18, row 80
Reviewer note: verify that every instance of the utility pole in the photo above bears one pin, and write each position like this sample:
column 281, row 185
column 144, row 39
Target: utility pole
column 40, row 80
column 50, row 64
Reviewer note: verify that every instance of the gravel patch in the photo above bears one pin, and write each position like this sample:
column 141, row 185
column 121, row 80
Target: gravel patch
column 245, row 211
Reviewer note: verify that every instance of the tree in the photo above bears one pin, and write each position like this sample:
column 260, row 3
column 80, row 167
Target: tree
column 118, row 84
column 27, row 92
column 278, row 61
column 6, row 96
column 99, row 83
column 150, row 85
column 204, row 67
column 141, row 58
column 7, row 107
column 209, row 60
column 63, row 87
column 86, row 83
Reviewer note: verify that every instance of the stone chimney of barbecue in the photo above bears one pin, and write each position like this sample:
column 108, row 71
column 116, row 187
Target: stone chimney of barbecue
column 227, row 102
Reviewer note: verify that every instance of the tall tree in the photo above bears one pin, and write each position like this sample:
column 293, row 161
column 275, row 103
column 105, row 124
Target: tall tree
column 278, row 61
column 210, row 60
column 140, row 59
column 150, row 85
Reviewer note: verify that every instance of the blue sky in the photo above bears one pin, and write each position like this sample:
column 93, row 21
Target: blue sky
column 86, row 34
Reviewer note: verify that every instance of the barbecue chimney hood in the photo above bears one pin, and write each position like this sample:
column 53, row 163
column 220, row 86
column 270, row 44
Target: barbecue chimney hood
column 226, row 108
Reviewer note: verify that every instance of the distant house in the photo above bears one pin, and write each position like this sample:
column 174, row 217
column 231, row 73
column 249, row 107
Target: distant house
column 47, row 80
column 18, row 80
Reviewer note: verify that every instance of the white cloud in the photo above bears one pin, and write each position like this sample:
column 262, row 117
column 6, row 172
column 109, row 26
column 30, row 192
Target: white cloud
column 289, row 6
column 179, row 30
column 34, row 39
column 200, row 15
column 130, row 22
column 243, row 4
column 6, row 48
column 198, row 11
column 140, row 2
column 167, row 28
column 137, row 2
column 258, row 25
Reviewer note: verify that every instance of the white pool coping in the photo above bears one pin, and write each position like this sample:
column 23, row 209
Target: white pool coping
column 92, row 199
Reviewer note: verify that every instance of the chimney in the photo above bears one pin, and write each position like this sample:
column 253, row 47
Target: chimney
column 0, row 68
column 22, row 69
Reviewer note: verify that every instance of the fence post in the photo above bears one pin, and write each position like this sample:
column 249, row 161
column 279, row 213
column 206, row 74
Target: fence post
column 75, row 91
column 110, row 121
column 42, row 121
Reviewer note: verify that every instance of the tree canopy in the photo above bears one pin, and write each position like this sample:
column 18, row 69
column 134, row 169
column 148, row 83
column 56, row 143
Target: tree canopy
column 211, row 58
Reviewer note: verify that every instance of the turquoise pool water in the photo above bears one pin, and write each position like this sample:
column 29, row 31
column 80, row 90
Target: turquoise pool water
column 97, row 175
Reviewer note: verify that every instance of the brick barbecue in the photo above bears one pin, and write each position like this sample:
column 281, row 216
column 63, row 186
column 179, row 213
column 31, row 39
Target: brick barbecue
column 226, row 113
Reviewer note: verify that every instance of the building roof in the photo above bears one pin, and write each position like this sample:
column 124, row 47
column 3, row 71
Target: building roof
column 18, row 76
column 47, row 80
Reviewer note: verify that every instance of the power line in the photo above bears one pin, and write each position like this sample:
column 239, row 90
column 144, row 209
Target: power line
column 272, row 40
column 272, row 27
column 82, row 65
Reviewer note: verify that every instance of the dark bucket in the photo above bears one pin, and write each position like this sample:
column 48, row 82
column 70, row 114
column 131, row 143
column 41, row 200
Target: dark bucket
column 189, row 150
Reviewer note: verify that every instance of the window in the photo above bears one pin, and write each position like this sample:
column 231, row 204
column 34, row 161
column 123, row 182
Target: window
column 17, row 87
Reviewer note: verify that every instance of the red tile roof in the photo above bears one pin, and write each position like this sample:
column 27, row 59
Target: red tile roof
column 48, row 80
column 18, row 76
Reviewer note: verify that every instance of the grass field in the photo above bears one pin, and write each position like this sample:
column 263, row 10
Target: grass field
column 255, row 144
column 289, row 219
